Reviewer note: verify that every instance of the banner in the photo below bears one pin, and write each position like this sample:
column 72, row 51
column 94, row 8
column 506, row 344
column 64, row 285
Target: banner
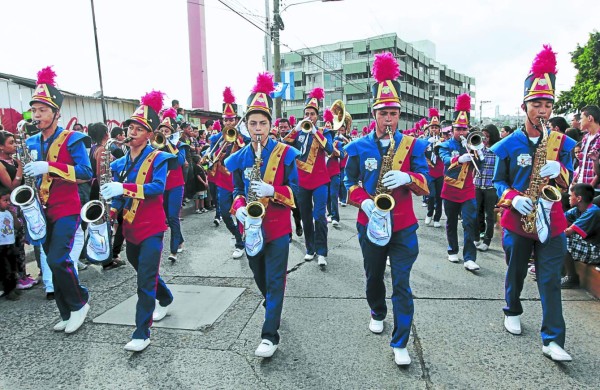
column 287, row 77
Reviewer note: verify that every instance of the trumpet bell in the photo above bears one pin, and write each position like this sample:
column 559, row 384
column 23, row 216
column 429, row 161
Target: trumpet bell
column 306, row 125
column 158, row 140
column 475, row 140
column 230, row 135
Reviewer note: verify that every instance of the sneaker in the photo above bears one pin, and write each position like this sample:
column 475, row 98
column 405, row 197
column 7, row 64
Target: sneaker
column 173, row 257
column 237, row 253
column 160, row 312
column 453, row 258
column 335, row 224
column 470, row 265
column 180, row 249
column 401, row 356
column 424, row 204
column 24, row 284
column 60, row 326
column 198, row 211
column 32, row 280
column 265, row 349
column 483, row 247
column 569, row 282
column 309, row 257
column 328, row 219
column 204, row 211
column 343, row 204
column 556, row 353
column 217, row 221
column 321, row 261
column 513, row 324
column 428, row 220
column 531, row 270
column 477, row 243
column 77, row 318
column 81, row 266
column 137, row 345
column 437, row 224
column 299, row 231
column 376, row 326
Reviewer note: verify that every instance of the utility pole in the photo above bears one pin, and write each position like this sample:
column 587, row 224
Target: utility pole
column 277, row 25
column 268, row 55
column 99, row 68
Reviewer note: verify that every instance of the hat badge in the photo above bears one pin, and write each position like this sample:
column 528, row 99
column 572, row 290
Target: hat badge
column 385, row 89
column 543, row 82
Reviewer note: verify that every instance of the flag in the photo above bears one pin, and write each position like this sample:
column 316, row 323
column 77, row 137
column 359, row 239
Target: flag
column 279, row 91
column 287, row 77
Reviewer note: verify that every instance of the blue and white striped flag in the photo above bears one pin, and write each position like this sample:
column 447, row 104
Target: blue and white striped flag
column 279, row 91
column 287, row 77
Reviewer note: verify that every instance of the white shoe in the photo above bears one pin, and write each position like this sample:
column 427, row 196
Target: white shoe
column 265, row 349
column 376, row 326
column 513, row 324
column 321, row 261
column 387, row 262
column 424, row 204
column 335, row 224
column 308, row 257
column 328, row 219
column 556, row 353
column 160, row 312
column 453, row 258
column 343, row 204
column 483, row 247
column 470, row 265
column 477, row 243
column 237, row 253
column 76, row 319
column 180, row 249
column 401, row 356
column 428, row 220
column 173, row 257
column 436, row 224
column 137, row 345
column 60, row 326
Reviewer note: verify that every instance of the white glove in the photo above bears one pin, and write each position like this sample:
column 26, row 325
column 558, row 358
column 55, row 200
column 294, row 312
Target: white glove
column 111, row 190
column 395, row 179
column 464, row 158
column 432, row 140
column 522, row 204
column 313, row 130
column 368, row 205
column 550, row 170
column 36, row 168
column 241, row 214
column 262, row 189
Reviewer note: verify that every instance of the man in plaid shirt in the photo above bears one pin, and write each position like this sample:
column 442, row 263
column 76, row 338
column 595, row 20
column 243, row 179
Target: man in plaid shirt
column 485, row 192
column 587, row 172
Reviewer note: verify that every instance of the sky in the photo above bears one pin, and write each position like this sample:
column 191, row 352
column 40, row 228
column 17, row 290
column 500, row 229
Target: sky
column 144, row 43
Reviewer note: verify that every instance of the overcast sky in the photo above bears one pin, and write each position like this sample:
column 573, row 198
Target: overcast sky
column 144, row 43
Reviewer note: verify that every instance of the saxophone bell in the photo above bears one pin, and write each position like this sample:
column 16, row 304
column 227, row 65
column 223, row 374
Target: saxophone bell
column 254, row 207
column 384, row 200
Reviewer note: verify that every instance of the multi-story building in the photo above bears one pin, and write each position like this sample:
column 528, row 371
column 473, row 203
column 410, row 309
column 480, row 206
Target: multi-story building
column 344, row 70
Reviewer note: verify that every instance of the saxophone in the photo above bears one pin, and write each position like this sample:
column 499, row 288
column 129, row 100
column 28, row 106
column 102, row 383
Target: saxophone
column 253, row 235
column 383, row 198
column 539, row 191
column 26, row 197
column 98, row 243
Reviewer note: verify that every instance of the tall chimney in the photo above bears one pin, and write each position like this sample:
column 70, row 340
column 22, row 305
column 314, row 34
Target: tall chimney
column 198, row 70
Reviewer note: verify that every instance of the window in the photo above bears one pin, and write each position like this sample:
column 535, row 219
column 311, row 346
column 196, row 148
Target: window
column 333, row 59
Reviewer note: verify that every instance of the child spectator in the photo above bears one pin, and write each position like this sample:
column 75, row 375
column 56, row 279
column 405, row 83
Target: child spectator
column 583, row 236
column 8, row 251
column 200, row 185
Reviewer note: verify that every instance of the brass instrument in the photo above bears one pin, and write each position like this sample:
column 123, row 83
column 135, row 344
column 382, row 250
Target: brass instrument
column 229, row 136
column 26, row 197
column 383, row 198
column 158, row 141
column 254, row 207
column 473, row 142
column 539, row 189
column 306, row 125
column 96, row 213
column 338, row 108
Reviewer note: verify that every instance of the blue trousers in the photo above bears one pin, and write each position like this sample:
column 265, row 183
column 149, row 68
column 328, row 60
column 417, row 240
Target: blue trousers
column 212, row 187
column 68, row 293
column 172, row 204
column 270, row 270
column 549, row 259
column 145, row 258
column 333, row 196
column 434, row 200
column 402, row 249
column 343, row 190
column 314, row 219
column 225, row 201
column 469, row 222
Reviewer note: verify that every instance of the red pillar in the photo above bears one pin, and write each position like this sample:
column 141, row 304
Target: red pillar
column 197, row 38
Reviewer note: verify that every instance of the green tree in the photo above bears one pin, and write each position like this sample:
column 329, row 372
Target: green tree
column 586, row 90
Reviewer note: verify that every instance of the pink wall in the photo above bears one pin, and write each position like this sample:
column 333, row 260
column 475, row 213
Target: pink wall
column 197, row 37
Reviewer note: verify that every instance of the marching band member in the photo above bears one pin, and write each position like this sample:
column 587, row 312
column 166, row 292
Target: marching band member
column 271, row 177
column 60, row 159
column 393, row 167
column 220, row 175
column 458, row 190
column 285, row 126
column 436, row 170
column 174, row 187
column 334, row 170
column 519, row 177
column 314, row 146
column 138, row 185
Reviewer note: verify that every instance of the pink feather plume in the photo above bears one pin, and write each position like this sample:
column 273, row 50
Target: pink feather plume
column 217, row 125
column 328, row 116
column 46, row 76
column 463, row 102
column 170, row 113
column 317, row 93
column 292, row 120
column 385, row 67
column 423, row 122
column 544, row 62
column 372, row 125
column 417, row 125
column 364, row 130
column 434, row 112
column 228, row 96
column 276, row 123
column 264, row 83
column 153, row 100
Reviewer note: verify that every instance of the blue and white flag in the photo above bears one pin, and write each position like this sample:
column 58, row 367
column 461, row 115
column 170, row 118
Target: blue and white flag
column 279, row 91
column 287, row 77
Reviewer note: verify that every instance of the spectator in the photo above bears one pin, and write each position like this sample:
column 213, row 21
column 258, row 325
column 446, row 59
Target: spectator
column 8, row 250
column 505, row 130
column 180, row 115
column 209, row 127
column 200, row 185
column 574, row 133
column 485, row 191
column 78, row 127
column 284, row 127
column 575, row 122
column 115, row 143
column 587, row 172
column 175, row 104
column 558, row 123
column 583, row 236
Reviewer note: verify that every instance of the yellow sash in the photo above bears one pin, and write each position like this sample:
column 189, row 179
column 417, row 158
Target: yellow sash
column 52, row 157
column 129, row 215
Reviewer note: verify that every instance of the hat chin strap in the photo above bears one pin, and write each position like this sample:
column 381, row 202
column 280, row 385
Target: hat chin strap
column 51, row 122
column 535, row 126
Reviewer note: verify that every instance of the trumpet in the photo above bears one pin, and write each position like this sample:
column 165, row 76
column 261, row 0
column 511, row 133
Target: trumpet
column 158, row 141
column 229, row 137
column 474, row 142
column 306, row 125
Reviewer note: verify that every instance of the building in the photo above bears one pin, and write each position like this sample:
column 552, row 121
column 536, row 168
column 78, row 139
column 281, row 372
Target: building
column 344, row 71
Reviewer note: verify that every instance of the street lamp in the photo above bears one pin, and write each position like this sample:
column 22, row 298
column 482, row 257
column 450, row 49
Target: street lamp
column 480, row 108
